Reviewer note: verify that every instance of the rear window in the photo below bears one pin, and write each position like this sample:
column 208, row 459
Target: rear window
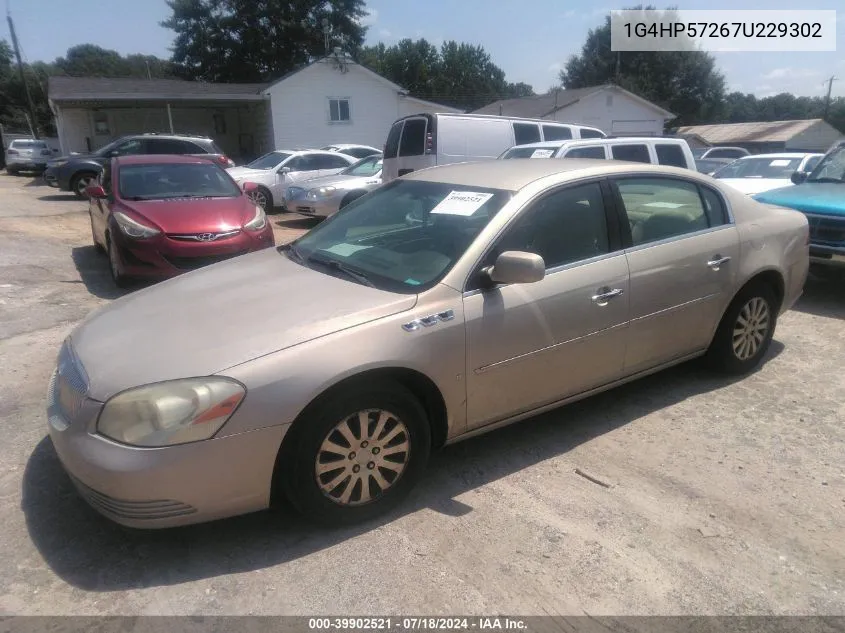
column 391, row 147
column 556, row 133
column 413, row 138
column 594, row 151
column 669, row 154
column 525, row 133
column 25, row 144
column 588, row 133
column 633, row 153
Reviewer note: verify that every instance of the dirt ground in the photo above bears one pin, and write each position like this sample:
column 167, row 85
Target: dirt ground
column 725, row 497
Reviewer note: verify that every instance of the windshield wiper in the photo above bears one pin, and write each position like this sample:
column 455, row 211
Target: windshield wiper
column 826, row 179
column 336, row 265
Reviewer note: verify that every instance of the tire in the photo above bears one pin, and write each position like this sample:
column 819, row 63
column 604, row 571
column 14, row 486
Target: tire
column 97, row 246
column 80, row 181
column 120, row 280
column 349, row 197
column 733, row 350
column 11, row 171
column 263, row 198
column 387, row 404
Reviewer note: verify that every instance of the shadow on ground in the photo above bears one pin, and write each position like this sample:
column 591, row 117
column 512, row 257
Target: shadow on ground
column 93, row 267
column 94, row 554
column 823, row 297
column 291, row 221
column 60, row 197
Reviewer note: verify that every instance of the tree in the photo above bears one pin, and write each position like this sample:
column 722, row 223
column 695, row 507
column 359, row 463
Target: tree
column 90, row 60
column 258, row 40
column 459, row 74
column 684, row 82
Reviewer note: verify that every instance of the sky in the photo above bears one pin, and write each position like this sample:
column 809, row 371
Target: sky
column 529, row 39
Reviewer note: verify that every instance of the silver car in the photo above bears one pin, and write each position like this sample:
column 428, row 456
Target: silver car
column 322, row 197
column 27, row 155
column 326, row 371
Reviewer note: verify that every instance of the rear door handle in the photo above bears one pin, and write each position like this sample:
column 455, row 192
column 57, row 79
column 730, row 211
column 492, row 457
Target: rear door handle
column 605, row 294
column 717, row 261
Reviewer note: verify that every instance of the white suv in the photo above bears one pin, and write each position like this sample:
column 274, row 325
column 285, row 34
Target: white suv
column 651, row 149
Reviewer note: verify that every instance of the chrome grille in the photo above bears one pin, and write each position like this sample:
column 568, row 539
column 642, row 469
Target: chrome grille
column 825, row 230
column 202, row 237
column 69, row 386
column 149, row 510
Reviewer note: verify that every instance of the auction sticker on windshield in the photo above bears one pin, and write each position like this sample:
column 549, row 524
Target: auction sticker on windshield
column 462, row 203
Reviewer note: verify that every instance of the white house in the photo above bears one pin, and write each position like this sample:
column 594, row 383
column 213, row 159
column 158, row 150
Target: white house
column 609, row 108
column 331, row 100
column 335, row 100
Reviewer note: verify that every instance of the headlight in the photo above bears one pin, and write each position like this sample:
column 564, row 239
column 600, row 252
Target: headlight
column 133, row 229
column 322, row 192
column 258, row 222
column 169, row 413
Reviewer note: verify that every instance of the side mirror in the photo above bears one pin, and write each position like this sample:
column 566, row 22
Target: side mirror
column 113, row 153
column 798, row 177
column 249, row 186
column 284, row 170
column 517, row 267
column 95, row 191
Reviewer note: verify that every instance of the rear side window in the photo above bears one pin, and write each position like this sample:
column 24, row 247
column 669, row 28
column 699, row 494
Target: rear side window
column 670, row 154
column 391, row 147
column 556, row 133
column 588, row 133
column 634, row 153
column 326, row 161
column 714, row 207
column 594, row 151
column 413, row 138
column 525, row 133
column 662, row 208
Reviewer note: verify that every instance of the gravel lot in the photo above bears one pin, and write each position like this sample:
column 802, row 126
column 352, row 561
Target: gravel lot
column 725, row 498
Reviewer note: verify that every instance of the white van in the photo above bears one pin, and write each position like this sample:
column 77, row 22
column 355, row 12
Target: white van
column 425, row 140
column 649, row 149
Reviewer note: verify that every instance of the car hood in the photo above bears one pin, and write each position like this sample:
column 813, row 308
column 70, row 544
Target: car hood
column 339, row 181
column 55, row 159
column 199, row 215
column 823, row 198
column 242, row 173
column 206, row 321
column 751, row 186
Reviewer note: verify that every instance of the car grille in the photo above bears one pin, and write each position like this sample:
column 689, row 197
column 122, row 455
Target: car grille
column 68, row 387
column 202, row 237
column 824, row 230
column 304, row 210
column 192, row 263
column 140, row 510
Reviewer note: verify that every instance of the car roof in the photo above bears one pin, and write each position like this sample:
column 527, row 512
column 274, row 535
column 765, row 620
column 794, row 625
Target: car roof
column 162, row 159
column 513, row 175
column 578, row 142
column 781, row 155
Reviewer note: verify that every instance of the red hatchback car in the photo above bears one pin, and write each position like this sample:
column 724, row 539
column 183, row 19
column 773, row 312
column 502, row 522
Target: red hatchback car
column 159, row 216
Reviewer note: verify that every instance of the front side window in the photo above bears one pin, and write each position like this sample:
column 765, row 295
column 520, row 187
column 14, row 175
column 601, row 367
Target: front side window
column 369, row 166
column 588, row 133
column 633, row 153
column 175, row 180
column 403, row 237
column 811, row 163
column 339, row 110
column 556, row 133
column 327, row 161
column 831, row 168
column 563, row 227
column 524, row 133
column 670, row 154
column 660, row 208
column 269, row 161
column 593, row 151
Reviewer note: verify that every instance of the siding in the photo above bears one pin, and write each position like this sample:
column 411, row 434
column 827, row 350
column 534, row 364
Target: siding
column 624, row 116
column 300, row 107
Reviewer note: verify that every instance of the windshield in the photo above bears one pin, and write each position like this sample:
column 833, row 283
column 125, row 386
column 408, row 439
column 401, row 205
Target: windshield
column 831, row 168
column 369, row 166
column 771, row 167
column 269, row 161
column 175, row 180
column 403, row 237
column 531, row 152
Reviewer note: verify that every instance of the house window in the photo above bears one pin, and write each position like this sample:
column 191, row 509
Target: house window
column 339, row 110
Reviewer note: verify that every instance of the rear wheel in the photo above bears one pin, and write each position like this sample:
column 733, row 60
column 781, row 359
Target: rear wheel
column 745, row 332
column 263, row 198
column 11, row 171
column 115, row 267
column 356, row 454
column 80, row 182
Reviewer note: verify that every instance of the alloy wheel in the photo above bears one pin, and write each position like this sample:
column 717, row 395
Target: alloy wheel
column 83, row 183
column 362, row 457
column 751, row 328
column 259, row 198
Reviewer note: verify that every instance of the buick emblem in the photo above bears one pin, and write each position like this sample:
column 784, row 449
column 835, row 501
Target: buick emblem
column 207, row 237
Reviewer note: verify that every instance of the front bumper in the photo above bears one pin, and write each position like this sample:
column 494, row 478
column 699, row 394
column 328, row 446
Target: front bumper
column 54, row 177
column 163, row 487
column 322, row 208
column 827, row 255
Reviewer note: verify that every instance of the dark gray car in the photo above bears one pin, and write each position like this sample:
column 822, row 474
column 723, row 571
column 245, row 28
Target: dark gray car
column 76, row 171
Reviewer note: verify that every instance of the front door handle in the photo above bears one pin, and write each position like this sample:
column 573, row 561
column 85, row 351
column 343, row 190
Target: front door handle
column 717, row 261
column 605, row 294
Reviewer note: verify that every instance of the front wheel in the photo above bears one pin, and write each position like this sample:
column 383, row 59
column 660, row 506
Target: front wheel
column 263, row 198
column 80, row 182
column 357, row 454
column 745, row 332
column 117, row 275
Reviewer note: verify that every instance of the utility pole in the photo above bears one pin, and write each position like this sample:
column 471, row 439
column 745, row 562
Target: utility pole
column 30, row 107
column 827, row 99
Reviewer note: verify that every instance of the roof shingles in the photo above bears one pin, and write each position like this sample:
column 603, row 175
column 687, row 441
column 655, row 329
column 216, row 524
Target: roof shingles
column 82, row 88
column 752, row 132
